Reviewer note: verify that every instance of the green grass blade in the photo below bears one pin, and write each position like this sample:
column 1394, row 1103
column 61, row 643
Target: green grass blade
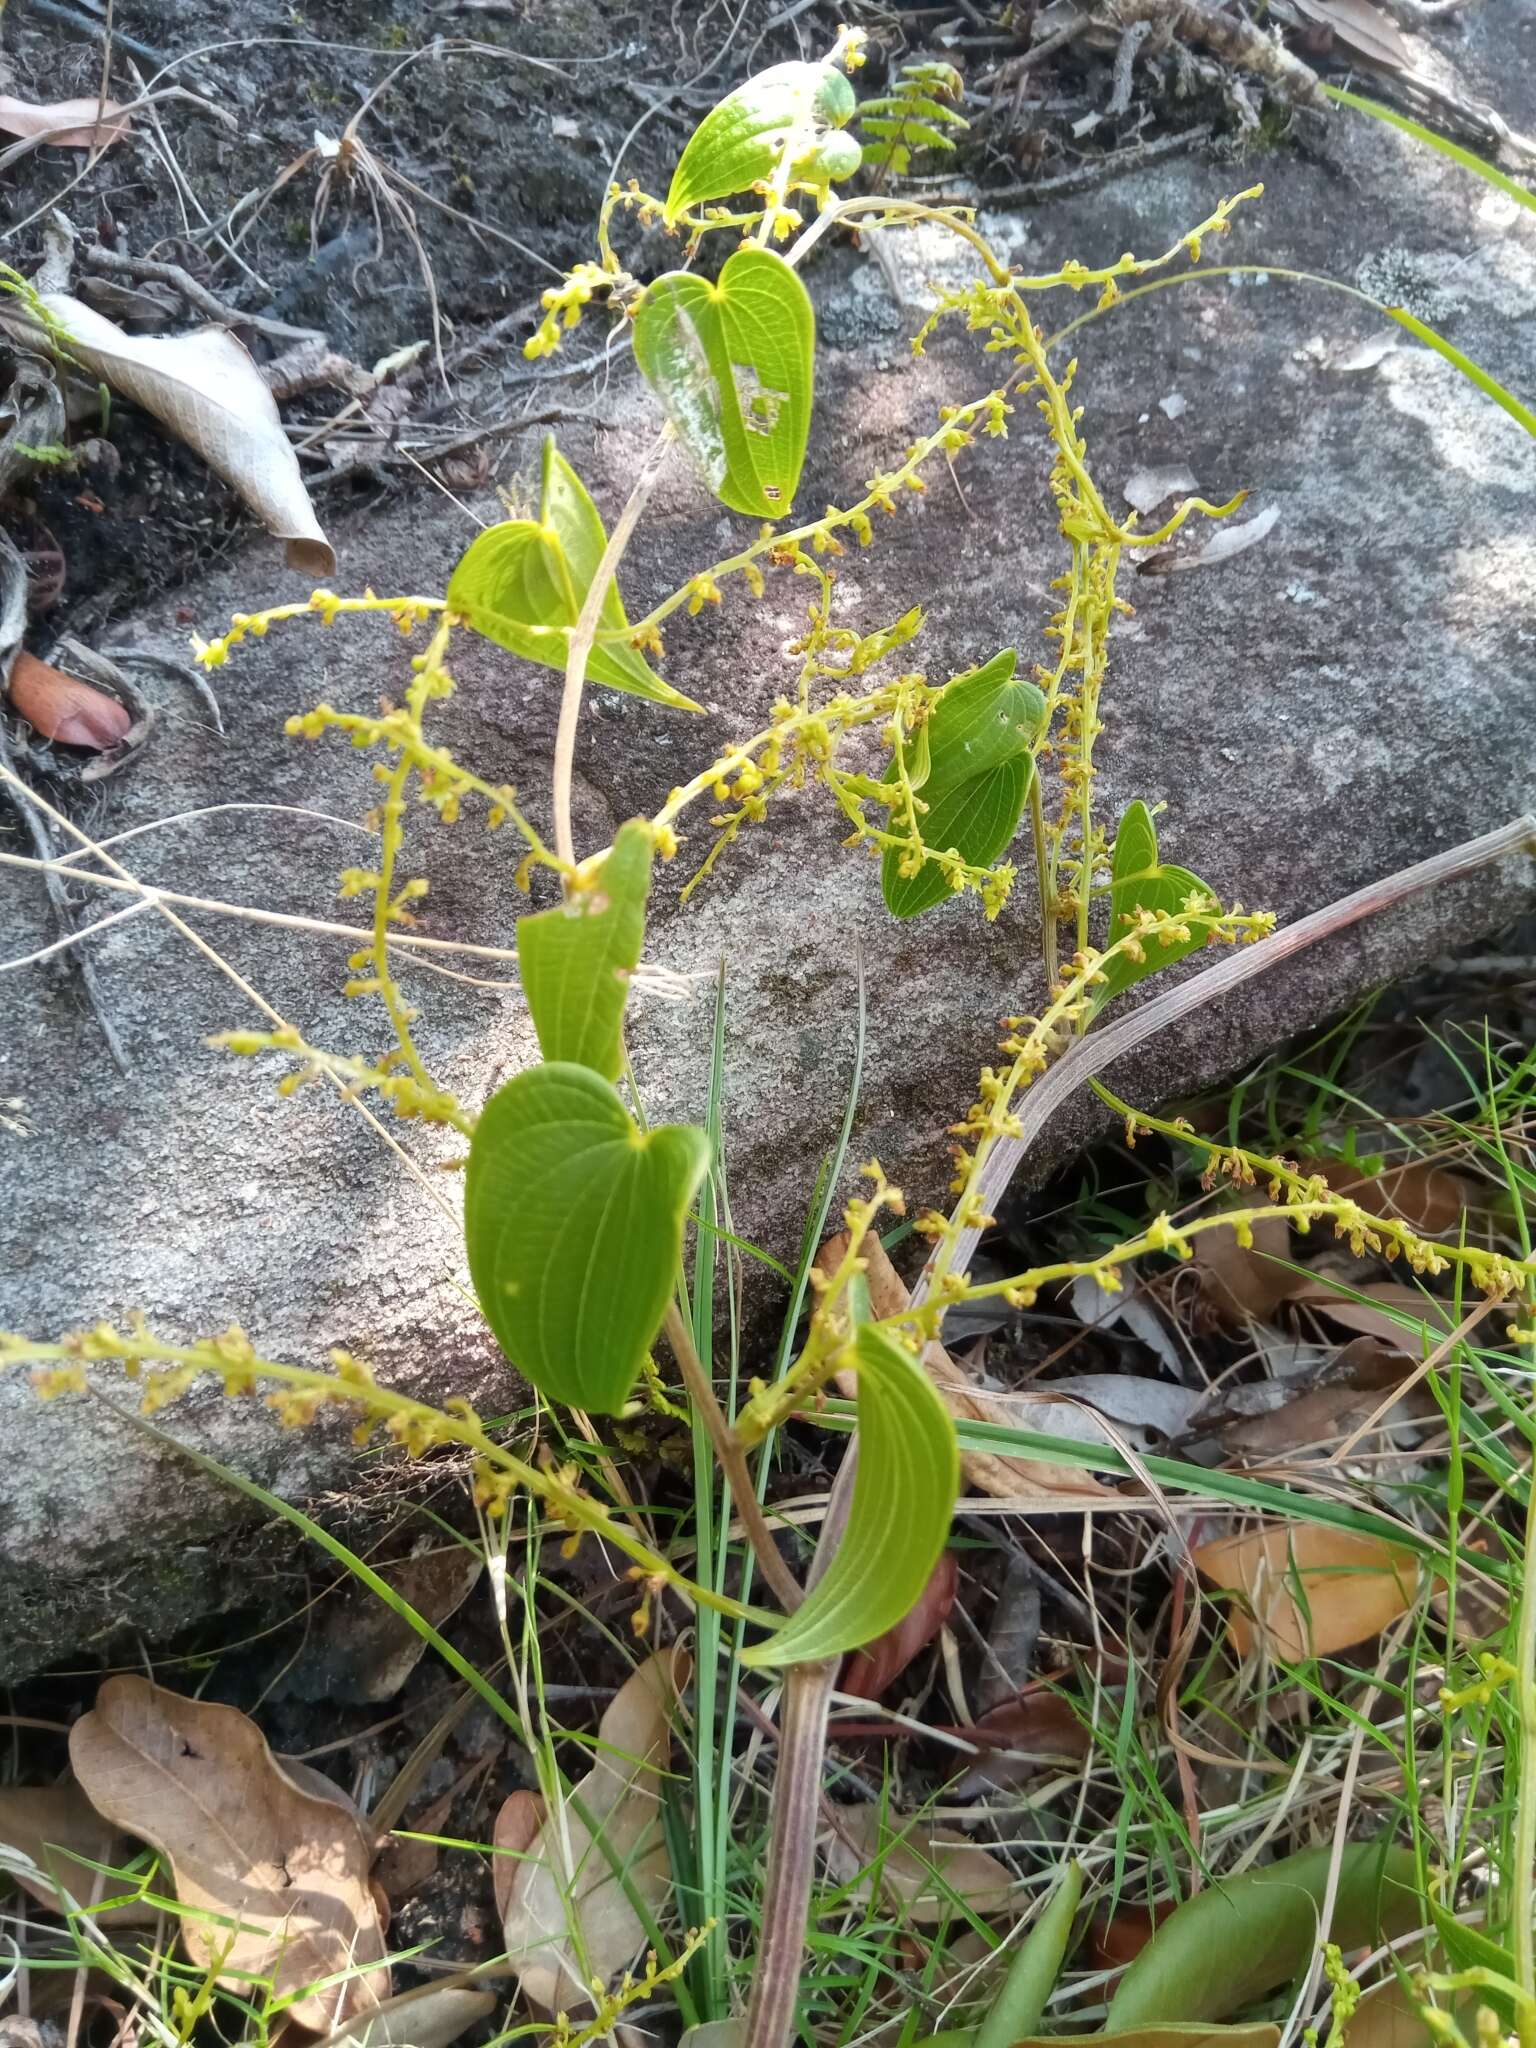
column 1441, row 144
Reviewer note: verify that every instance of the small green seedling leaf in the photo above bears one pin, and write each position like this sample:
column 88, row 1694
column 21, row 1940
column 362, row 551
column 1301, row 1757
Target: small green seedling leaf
column 1141, row 882
column 740, row 142
column 914, row 117
column 732, row 364
column 1018, row 2007
column 573, row 1221
column 1235, row 1942
column 576, row 960
column 979, row 769
column 522, row 583
column 903, row 1498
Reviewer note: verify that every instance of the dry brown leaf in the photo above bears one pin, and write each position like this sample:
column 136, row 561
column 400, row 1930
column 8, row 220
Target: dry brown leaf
column 1308, row 1590
column 1363, row 29
column 1117, row 1937
column 514, row 1834
column 1021, row 1737
column 922, row 1870
column 568, row 1882
column 62, row 708
column 404, row 1864
column 57, row 1827
column 1371, row 1316
column 1044, row 1487
column 205, row 389
column 1326, row 1414
column 284, row 1869
column 879, row 1664
column 429, row 2017
column 66, row 124
column 1428, row 1198
column 361, row 1651
column 1242, row 1282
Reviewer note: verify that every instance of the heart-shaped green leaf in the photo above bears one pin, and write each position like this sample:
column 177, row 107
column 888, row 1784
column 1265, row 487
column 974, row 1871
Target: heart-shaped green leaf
column 732, row 363
column 740, row 141
column 903, row 1498
column 1141, row 882
column 522, row 584
column 576, row 959
column 573, row 1221
column 979, row 769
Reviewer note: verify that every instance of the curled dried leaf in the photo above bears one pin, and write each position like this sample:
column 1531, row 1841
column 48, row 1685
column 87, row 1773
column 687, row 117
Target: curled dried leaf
column 65, row 124
column 63, row 709
column 571, row 1916
column 275, row 1876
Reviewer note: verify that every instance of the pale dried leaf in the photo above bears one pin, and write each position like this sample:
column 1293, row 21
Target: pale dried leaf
column 922, row 1870
column 556, row 1895
column 1101, row 1309
column 1308, row 1590
column 59, row 1830
column 1032, row 1483
column 1146, row 489
column 715, row 2034
column 1242, row 1281
column 66, row 124
column 284, row 1868
column 513, row 1834
column 1369, row 353
column 1225, row 543
column 204, row 388
column 429, row 2017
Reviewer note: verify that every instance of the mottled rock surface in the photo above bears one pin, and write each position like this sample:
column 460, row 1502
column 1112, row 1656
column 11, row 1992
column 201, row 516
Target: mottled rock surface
column 1348, row 696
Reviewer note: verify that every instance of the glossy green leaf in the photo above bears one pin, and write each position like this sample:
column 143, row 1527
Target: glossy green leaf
column 522, row 583
column 1253, row 2034
column 1235, row 1942
column 979, row 769
column 576, row 959
column 740, row 141
column 1020, row 2004
column 733, row 365
column 573, row 1221
column 903, row 1498
column 1141, row 882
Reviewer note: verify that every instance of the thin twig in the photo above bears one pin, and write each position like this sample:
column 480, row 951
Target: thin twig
column 99, row 257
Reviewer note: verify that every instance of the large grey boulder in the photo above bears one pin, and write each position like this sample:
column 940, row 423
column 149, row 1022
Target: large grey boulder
column 1348, row 696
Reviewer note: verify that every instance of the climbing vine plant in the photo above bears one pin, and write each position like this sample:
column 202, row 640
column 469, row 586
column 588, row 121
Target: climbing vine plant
column 575, row 1211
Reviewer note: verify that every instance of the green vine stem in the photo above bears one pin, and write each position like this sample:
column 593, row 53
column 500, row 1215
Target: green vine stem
column 984, row 1188
column 166, row 1371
